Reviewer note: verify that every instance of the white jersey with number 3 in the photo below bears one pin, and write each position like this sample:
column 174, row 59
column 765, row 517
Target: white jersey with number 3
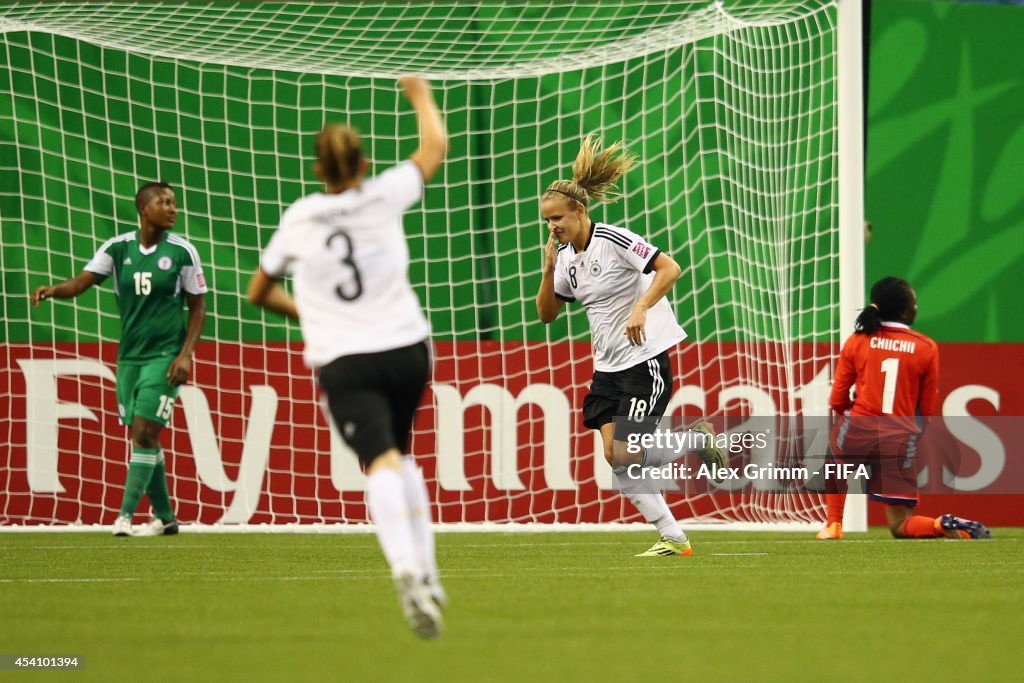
column 349, row 261
column 607, row 277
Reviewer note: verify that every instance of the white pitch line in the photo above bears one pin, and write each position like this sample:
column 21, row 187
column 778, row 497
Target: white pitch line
column 355, row 575
column 381, row 575
column 118, row 579
column 231, row 547
column 737, row 554
column 345, row 574
column 120, row 547
column 127, row 579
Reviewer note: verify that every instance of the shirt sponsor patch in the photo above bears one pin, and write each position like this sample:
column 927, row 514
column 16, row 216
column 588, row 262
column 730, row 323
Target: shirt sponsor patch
column 641, row 249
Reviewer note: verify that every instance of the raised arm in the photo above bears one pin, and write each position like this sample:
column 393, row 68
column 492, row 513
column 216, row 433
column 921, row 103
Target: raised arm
column 68, row 289
column 433, row 137
column 548, row 304
column 266, row 292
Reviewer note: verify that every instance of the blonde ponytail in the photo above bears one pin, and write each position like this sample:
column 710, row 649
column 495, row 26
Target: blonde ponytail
column 595, row 172
column 340, row 153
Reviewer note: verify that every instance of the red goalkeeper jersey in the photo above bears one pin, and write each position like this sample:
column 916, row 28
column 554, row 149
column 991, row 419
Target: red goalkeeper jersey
column 895, row 372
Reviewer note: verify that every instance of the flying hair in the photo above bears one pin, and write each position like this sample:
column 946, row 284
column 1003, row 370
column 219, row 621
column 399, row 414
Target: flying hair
column 595, row 173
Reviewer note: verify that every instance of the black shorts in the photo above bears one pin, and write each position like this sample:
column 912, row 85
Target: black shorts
column 637, row 396
column 373, row 397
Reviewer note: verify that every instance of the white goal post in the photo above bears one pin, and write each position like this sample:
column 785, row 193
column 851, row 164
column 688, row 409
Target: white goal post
column 747, row 119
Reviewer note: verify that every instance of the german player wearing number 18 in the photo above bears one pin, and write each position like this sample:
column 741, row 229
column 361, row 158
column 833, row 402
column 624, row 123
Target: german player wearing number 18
column 153, row 272
column 364, row 331
column 622, row 281
column 895, row 373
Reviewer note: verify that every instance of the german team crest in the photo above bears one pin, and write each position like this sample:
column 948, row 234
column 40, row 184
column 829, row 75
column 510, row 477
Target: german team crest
column 595, row 269
column 164, row 263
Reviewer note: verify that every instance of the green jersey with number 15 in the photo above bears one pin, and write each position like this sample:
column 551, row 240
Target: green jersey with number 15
column 150, row 284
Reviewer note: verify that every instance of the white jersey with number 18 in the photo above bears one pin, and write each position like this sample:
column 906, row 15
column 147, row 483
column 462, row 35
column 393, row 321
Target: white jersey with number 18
column 607, row 277
column 349, row 261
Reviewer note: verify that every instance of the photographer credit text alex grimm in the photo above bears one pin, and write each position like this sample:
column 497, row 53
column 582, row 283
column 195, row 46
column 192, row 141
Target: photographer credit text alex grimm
column 683, row 442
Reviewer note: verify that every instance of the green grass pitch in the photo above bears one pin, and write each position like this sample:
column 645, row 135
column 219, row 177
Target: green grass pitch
column 524, row 607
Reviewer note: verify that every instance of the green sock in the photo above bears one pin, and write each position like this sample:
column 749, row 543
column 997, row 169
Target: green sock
column 140, row 471
column 159, row 496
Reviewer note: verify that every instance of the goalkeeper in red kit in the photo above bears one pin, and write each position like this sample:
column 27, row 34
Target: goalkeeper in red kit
column 895, row 373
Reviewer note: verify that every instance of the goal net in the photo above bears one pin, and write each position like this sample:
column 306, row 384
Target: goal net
column 731, row 108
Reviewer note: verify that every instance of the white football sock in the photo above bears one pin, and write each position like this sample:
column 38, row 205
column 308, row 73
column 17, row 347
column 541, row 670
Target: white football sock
column 652, row 505
column 420, row 517
column 385, row 499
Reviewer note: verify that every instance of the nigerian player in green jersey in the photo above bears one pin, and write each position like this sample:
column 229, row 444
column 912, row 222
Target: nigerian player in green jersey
column 154, row 272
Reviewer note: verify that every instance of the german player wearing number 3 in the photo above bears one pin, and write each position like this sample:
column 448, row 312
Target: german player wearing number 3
column 364, row 331
column 154, row 272
column 895, row 373
column 622, row 281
